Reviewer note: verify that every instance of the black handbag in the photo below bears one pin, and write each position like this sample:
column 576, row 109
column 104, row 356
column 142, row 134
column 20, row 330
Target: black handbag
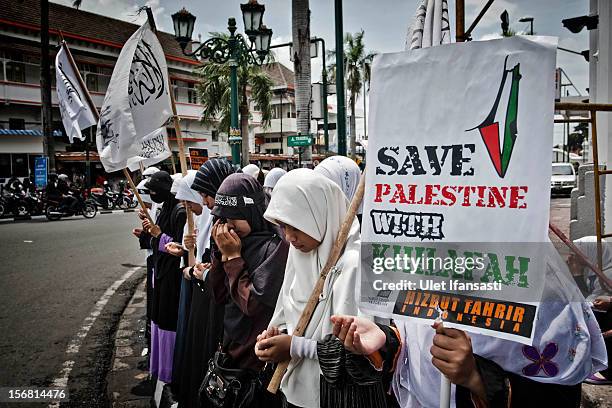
column 227, row 387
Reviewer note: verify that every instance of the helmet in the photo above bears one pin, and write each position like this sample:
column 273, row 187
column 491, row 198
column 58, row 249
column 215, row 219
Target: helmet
column 63, row 177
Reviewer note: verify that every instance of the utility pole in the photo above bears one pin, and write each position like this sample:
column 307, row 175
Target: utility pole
column 45, row 86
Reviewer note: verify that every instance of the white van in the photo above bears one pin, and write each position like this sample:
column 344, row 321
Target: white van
column 563, row 178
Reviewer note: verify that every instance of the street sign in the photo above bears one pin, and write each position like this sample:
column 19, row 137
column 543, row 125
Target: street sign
column 197, row 157
column 299, row 140
column 40, row 172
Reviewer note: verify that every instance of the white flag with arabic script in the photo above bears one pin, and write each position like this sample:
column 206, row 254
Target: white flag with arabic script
column 136, row 105
column 75, row 111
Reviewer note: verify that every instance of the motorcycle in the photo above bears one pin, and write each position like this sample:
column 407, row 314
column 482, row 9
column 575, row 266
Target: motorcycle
column 36, row 204
column 14, row 204
column 109, row 200
column 132, row 202
column 83, row 206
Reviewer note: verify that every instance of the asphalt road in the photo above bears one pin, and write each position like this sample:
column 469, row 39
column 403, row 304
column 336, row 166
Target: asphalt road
column 51, row 276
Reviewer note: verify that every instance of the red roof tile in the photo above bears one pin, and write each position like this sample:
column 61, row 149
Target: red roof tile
column 81, row 25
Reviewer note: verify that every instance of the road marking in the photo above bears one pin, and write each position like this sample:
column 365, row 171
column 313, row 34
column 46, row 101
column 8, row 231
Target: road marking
column 75, row 344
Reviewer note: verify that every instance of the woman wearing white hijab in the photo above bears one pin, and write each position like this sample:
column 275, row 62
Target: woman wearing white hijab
column 567, row 347
column 310, row 209
column 190, row 358
column 345, row 173
column 272, row 178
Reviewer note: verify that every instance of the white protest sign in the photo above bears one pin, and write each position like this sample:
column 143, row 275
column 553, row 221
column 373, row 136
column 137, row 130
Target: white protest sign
column 457, row 184
column 137, row 102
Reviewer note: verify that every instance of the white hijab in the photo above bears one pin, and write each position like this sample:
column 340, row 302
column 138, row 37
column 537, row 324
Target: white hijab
column 564, row 320
column 251, row 169
column 273, row 176
column 344, row 172
column 588, row 245
column 181, row 188
column 316, row 206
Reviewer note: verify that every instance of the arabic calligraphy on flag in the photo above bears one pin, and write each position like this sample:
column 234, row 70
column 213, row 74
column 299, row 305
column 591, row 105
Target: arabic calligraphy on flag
column 74, row 109
column 136, row 106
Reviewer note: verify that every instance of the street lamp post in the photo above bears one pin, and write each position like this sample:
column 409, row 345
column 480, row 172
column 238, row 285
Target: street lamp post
column 235, row 51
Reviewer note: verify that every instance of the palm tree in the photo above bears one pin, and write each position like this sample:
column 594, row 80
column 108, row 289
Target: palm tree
column 214, row 93
column 357, row 65
column 300, row 17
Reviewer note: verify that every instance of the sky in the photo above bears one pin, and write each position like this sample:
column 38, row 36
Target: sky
column 384, row 21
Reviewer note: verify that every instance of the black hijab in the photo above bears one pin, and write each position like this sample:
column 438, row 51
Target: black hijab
column 211, row 174
column 159, row 185
column 241, row 197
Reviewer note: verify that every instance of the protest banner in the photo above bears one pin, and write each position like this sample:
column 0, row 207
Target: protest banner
column 197, row 157
column 457, row 185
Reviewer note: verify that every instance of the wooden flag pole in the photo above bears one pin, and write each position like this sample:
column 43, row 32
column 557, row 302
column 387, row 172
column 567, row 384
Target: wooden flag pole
column 179, row 140
column 183, row 161
column 602, row 277
column 126, row 173
column 313, row 300
column 94, row 111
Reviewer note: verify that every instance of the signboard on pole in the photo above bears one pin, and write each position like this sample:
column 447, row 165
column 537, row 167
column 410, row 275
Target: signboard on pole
column 40, row 172
column 299, row 140
column 197, row 157
column 456, row 209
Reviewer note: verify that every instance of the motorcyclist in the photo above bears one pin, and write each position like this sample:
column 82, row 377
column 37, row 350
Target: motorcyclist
column 69, row 201
column 14, row 185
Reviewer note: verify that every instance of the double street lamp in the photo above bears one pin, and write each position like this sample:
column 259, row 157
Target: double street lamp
column 235, row 50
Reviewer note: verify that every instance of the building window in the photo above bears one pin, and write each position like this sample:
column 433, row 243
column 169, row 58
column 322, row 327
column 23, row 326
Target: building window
column 19, row 163
column 192, row 95
column 5, row 165
column 15, row 71
column 16, row 124
column 272, row 151
column 214, row 135
column 274, row 140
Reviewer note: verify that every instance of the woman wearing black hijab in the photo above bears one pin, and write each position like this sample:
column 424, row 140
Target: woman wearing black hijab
column 167, row 275
column 205, row 326
column 247, row 270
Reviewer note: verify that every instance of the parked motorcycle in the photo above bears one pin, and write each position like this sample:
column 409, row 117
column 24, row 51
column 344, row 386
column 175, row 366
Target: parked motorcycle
column 36, row 203
column 55, row 210
column 14, row 204
column 109, row 200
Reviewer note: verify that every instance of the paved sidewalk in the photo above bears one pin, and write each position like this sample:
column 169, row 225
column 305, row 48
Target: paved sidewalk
column 129, row 345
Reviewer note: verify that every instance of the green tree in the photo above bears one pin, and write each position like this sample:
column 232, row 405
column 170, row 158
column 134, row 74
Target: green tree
column 575, row 139
column 357, row 64
column 214, row 94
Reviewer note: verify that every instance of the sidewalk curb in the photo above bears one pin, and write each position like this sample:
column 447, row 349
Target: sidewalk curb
column 130, row 341
column 596, row 396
